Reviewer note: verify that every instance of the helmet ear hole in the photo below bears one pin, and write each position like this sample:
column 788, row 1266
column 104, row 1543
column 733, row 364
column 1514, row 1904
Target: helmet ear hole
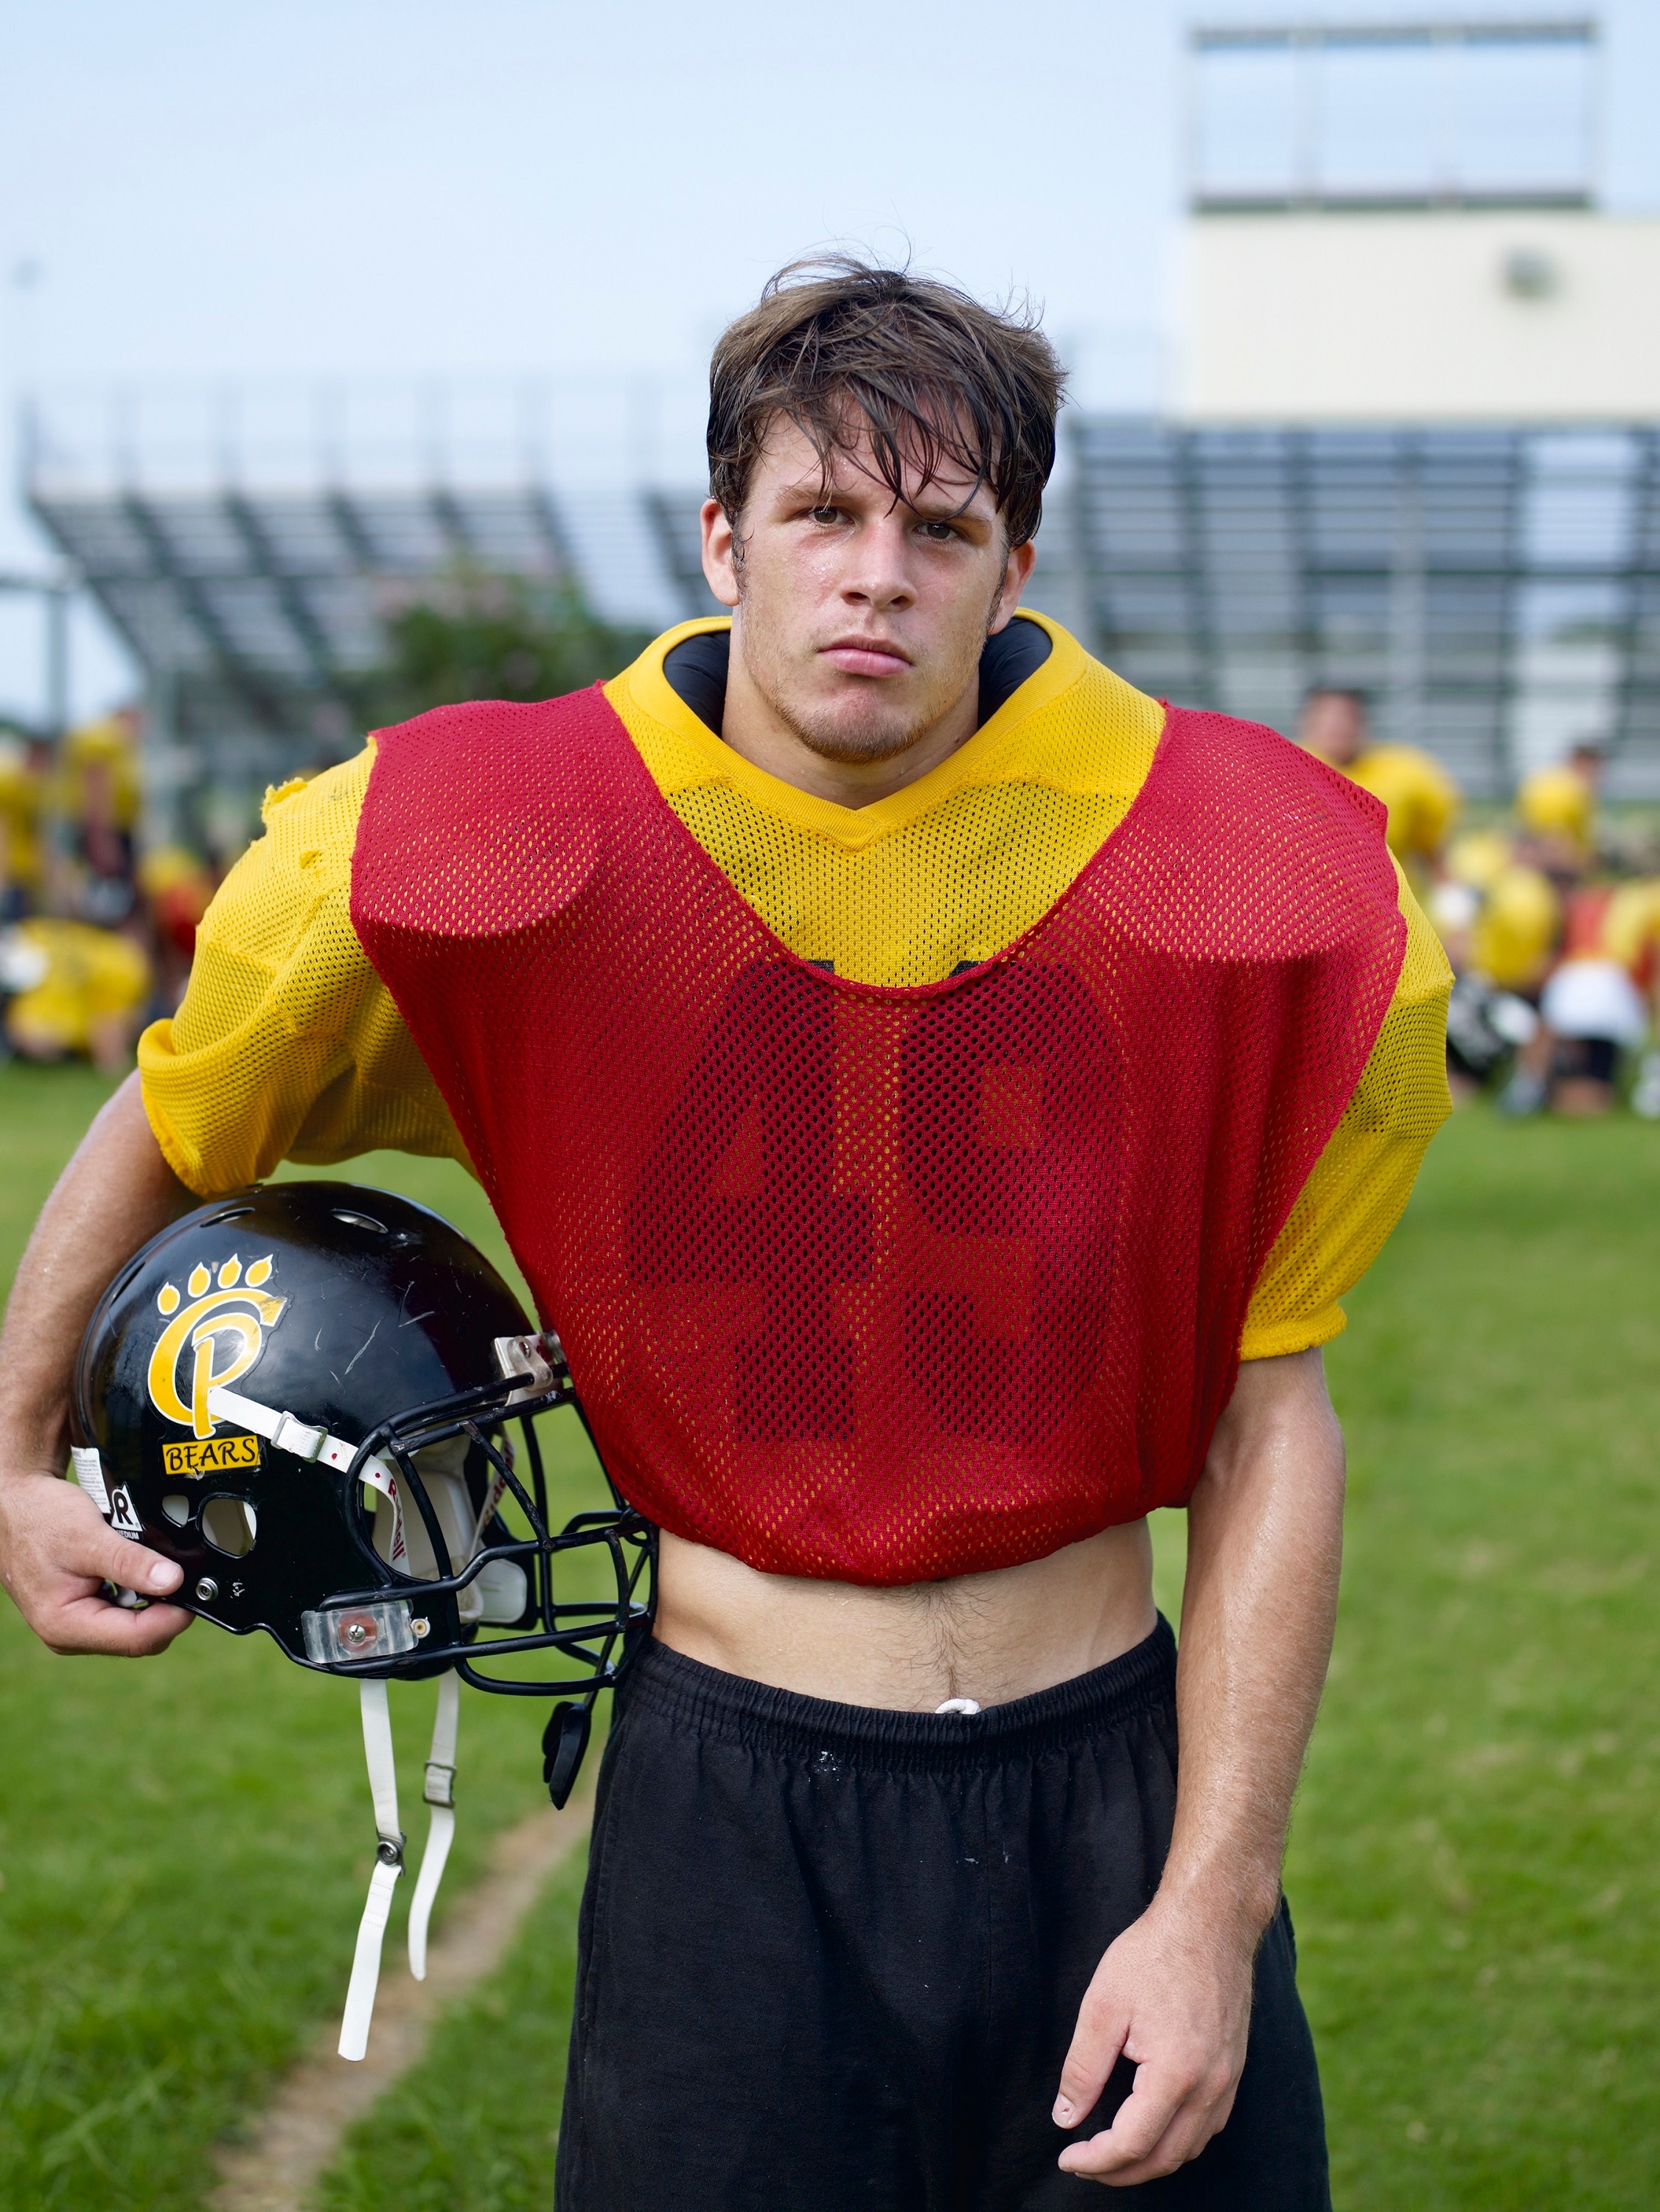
column 230, row 1525
column 176, row 1507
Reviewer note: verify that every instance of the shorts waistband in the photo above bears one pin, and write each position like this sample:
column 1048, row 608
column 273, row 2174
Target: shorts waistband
column 685, row 1692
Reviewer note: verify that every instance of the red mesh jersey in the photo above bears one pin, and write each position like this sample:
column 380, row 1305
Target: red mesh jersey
column 877, row 1284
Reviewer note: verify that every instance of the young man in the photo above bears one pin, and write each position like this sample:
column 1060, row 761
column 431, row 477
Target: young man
column 1420, row 798
column 912, row 1069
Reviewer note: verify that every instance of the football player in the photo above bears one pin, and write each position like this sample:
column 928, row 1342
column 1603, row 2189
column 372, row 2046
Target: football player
column 939, row 1095
column 1420, row 798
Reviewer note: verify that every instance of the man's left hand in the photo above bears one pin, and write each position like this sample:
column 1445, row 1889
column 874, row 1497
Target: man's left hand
column 1172, row 1995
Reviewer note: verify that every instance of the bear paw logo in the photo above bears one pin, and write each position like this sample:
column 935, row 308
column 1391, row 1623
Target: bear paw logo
column 224, row 1328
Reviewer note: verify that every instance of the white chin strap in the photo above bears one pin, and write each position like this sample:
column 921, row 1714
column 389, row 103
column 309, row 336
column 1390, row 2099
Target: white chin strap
column 389, row 1855
column 440, row 1796
column 307, row 1442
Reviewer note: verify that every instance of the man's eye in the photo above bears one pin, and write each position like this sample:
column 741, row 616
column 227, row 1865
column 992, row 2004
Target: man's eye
column 824, row 515
column 939, row 533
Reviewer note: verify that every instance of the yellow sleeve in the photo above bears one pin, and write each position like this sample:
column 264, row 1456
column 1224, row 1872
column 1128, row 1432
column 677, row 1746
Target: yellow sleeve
column 1362, row 1180
column 287, row 1045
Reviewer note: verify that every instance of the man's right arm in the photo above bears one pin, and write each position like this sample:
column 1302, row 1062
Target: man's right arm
column 287, row 1046
column 57, row 1551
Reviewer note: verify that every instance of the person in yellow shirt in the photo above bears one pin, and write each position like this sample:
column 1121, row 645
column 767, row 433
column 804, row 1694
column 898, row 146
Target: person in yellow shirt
column 1501, row 922
column 1421, row 797
column 99, row 796
column 1517, row 929
column 878, row 783
column 77, row 991
column 22, row 796
column 1556, row 808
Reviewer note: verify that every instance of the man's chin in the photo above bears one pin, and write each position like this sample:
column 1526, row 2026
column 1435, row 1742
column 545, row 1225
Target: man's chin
column 855, row 739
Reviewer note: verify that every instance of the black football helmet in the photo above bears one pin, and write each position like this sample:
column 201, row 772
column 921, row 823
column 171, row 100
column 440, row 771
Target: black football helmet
column 302, row 1394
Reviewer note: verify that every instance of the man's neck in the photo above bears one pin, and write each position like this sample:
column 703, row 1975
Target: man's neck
column 755, row 730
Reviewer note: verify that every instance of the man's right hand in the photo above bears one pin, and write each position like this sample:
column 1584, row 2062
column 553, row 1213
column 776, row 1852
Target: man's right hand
column 59, row 1552
column 56, row 1551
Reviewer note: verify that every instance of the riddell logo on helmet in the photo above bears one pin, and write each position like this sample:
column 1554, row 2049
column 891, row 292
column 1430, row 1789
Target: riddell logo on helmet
column 224, row 1327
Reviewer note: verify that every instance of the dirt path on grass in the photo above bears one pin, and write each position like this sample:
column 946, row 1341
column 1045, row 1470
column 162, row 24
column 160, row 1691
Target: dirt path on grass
column 295, row 2139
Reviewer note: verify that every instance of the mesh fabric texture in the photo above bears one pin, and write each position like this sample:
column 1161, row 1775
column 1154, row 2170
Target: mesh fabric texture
column 882, row 1283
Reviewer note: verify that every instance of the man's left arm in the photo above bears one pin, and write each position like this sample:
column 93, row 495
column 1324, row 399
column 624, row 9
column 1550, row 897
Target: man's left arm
column 1172, row 1994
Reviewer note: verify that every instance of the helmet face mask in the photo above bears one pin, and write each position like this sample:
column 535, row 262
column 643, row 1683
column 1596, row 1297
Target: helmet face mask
column 303, row 1394
column 453, row 1584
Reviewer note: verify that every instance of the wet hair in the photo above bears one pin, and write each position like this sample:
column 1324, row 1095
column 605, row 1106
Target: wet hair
column 837, row 346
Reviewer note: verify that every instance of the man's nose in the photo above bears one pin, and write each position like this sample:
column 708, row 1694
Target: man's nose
column 878, row 574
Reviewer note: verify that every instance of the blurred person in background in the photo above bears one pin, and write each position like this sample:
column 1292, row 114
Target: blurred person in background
column 1595, row 999
column 1556, row 812
column 1595, row 1005
column 75, row 991
column 22, row 803
column 99, row 799
column 75, row 974
column 176, row 887
column 1501, row 921
column 1420, row 797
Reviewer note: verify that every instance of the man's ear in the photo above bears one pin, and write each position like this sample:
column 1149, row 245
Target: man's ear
column 1016, row 574
column 721, row 554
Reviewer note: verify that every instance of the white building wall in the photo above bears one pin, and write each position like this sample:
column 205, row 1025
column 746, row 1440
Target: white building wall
column 1435, row 316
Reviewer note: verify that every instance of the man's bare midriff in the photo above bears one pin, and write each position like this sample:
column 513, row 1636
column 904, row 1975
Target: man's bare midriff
column 990, row 1637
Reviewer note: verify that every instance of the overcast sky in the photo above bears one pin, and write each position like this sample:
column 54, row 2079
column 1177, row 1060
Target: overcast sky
column 216, row 190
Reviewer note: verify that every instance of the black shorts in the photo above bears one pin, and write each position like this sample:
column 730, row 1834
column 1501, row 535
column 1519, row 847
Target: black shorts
column 831, row 1958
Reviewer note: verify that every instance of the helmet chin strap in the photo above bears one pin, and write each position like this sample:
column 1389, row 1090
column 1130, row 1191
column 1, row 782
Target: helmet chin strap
column 440, row 1794
column 389, row 1865
column 307, row 1442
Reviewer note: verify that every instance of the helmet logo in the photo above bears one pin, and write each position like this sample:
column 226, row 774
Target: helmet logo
column 224, row 1328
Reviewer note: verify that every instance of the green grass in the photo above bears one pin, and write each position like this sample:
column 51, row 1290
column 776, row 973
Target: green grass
column 473, row 2128
column 1475, row 1866
column 1474, row 1863
column 185, row 1843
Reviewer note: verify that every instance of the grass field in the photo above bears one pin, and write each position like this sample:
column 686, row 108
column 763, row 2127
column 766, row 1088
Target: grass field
column 1473, row 1869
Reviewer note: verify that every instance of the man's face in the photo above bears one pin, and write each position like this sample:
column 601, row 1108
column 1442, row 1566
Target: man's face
column 1334, row 726
column 861, row 619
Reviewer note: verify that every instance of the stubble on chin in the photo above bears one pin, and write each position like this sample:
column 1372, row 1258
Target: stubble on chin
column 860, row 722
column 863, row 731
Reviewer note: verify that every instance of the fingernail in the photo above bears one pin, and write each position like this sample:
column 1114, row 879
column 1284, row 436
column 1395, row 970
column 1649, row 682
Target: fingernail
column 1063, row 2113
column 163, row 1574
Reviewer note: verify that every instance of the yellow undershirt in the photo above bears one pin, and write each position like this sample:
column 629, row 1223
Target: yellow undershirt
column 287, row 1045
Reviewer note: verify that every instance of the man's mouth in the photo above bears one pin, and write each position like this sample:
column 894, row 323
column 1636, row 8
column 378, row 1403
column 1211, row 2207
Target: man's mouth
column 865, row 656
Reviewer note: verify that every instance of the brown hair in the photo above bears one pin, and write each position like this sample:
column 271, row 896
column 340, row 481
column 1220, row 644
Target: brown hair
column 834, row 345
